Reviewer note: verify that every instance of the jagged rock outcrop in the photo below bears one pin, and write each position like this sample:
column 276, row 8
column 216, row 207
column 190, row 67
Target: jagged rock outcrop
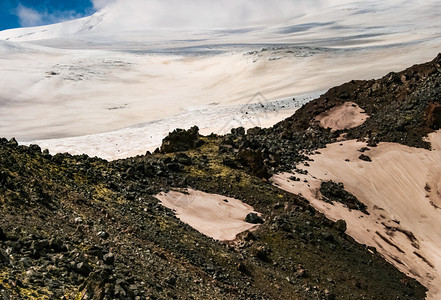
column 181, row 140
column 402, row 107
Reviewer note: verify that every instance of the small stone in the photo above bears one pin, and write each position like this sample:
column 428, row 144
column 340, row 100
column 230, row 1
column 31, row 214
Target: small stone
column 301, row 272
column 242, row 268
column 83, row 268
column 56, row 244
column 33, row 275
column 331, row 296
column 120, row 292
column 102, row 235
column 262, row 253
column 4, row 257
column 171, row 280
column 229, row 162
column 109, row 258
column 25, row 262
column 365, row 158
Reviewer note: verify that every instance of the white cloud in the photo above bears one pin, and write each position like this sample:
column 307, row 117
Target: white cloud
column 29, row 17
column 183, row 14
column 99, row 4
column 148, row 14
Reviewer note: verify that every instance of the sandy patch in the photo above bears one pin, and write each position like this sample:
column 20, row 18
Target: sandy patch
column 345, row 116
column 216, row 216
column 402, row 191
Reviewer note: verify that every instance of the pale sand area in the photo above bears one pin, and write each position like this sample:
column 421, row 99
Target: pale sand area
column 345, row 116
column 216, row 216
column 402, row 190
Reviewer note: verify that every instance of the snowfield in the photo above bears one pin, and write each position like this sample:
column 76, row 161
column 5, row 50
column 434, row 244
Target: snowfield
column 112, row 85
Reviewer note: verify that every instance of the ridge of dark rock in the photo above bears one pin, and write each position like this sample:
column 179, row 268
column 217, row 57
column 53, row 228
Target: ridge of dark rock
column 403, row 108
column 84, row 228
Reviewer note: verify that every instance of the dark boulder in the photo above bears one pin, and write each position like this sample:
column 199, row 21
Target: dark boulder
column 102, row 235
column 83, row 268
column 341, row 226
column 238, row 131
column 365, row 158
column 181, row 140
column 254, row 160
column 253, row 218
column 34, row 149
column 56, row 244
column 241, row 267
column 13, row 142
column 262, row 253
column 109, row 258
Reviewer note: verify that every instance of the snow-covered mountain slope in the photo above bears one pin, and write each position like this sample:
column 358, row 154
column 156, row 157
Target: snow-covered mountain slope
column 324, row 23
column 138, row 62
column 66, row 29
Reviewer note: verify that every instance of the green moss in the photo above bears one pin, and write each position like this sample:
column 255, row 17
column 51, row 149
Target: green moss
column 102, row 193
column 23, row 292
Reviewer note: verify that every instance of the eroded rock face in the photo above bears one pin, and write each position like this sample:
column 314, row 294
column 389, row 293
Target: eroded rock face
column 434, row 116
column 181, row 140
column 255, row 161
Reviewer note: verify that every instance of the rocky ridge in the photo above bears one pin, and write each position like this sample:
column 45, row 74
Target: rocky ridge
column 403, row 107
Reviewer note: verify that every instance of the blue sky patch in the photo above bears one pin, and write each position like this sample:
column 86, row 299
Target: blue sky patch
column 26, row 13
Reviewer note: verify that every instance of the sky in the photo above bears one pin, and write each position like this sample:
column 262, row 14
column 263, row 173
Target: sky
column 26, row 13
